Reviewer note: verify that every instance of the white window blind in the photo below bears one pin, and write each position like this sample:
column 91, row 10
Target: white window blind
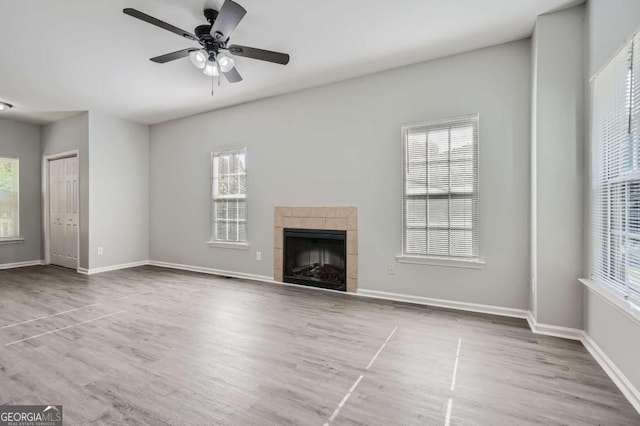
column 616, row 172
column 9, row 198
column 229, row 195
column 440, row 200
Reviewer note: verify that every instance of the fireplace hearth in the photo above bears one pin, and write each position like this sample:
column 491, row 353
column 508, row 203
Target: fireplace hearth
column 315, row 257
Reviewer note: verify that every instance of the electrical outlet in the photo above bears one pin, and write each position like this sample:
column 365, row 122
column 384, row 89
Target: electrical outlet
column 391, row 270
column 100, row 251
column 258, row 255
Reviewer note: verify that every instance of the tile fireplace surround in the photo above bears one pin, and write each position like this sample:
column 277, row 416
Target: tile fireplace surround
column 339, row 218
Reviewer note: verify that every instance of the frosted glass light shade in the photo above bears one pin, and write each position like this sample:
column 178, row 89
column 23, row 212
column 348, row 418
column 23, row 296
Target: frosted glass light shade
column 199, row 58
column 226, row 62
column 210, row 69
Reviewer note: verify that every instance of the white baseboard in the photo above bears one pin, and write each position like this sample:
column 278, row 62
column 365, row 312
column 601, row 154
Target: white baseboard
column 553, row 330
column 462, row 306
column 471, row 307
column 93, row 271
column 21, row 264
column 212, row 271
column 624, row 384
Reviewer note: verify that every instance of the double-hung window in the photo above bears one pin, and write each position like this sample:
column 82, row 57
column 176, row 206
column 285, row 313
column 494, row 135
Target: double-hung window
column 229, row 196
column 616, row 172
column 440, row 184
column 9, row 198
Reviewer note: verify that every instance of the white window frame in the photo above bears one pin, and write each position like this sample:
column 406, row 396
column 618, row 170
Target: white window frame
column 616, row 291
column 231, row 244
column 15, row 238
column 471, row 262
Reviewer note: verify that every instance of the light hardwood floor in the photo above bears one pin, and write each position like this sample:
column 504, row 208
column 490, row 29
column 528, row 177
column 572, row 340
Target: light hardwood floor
column 156, row 346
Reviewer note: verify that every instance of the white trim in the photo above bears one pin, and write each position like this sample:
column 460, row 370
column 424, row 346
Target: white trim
column 451, row 304
column 463, row 306
column 614, row 297
column 16, row 221
column 449, row 262
column 12, row 240
column 213, row 271
column 93, row 271
column 553, row 330
column 475, row 117
column 45, row 203
column 617, row 376
column 212, row 192
column 624, row 384
column 228, row 245
column 21, row 264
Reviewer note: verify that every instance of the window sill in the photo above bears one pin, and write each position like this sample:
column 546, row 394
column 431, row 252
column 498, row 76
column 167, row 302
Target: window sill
column 228, row 245
column 614, row 297
column 441, row 261
column 15, row 240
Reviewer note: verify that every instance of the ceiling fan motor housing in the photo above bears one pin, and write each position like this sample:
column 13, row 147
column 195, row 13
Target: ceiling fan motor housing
column 203, row 32
column 211, row 15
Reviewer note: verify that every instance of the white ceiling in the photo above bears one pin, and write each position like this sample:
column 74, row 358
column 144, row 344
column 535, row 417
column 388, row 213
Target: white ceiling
column 73, row 55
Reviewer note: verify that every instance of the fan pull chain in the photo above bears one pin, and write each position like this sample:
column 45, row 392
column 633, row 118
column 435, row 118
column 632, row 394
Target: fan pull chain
column 212, row 84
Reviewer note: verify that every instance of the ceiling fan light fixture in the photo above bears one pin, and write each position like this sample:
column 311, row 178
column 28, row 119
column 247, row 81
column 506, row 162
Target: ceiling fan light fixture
column 226, row 62
column 210, row 69
column 5, row 106
column 199, row 58
column 212, row 38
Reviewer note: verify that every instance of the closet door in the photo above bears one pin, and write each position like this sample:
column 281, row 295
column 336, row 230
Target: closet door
column 64, row 204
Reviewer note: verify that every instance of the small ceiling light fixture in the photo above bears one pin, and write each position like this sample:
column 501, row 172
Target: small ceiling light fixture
column 199, row 58
column 5, row 106
column 211, row 69
column 226, row 62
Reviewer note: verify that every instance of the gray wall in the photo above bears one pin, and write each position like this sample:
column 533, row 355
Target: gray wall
column 611, row 23
column 340, row 145
column 22, row 141
column 557, row 167
column 616, row 333
column 67, row 135
column 119, row 180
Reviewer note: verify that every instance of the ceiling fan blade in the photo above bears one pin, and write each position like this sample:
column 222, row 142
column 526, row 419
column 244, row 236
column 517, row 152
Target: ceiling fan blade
column 233, row 76
column 261, row 54
column 173, row 56
column 158, row 23
column 228, row 19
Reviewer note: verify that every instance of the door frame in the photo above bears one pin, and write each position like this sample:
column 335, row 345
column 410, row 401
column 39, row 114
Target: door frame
column 45, row 202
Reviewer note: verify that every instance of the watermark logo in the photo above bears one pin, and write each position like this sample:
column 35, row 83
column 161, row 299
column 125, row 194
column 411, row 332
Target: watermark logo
column 30, row 415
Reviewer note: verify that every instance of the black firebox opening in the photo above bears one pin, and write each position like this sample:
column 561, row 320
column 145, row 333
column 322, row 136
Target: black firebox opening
column 316, row 258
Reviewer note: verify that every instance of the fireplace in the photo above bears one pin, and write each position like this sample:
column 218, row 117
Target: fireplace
column 315, row 257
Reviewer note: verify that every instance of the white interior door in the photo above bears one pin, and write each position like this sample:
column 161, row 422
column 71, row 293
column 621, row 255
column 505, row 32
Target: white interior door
column 63, row 211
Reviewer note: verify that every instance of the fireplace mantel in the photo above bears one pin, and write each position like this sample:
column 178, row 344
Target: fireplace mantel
column 338, row 218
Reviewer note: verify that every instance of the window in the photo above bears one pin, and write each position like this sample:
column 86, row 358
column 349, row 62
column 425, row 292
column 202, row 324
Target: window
column 9, row 199
column 229, row 196
column 616, row 172
column 440, row 200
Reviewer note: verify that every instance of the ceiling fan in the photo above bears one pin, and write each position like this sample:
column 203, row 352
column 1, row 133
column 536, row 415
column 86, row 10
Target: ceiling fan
column 213, row 39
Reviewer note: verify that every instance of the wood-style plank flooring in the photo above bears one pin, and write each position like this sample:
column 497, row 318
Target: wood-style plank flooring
column 157, row 346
